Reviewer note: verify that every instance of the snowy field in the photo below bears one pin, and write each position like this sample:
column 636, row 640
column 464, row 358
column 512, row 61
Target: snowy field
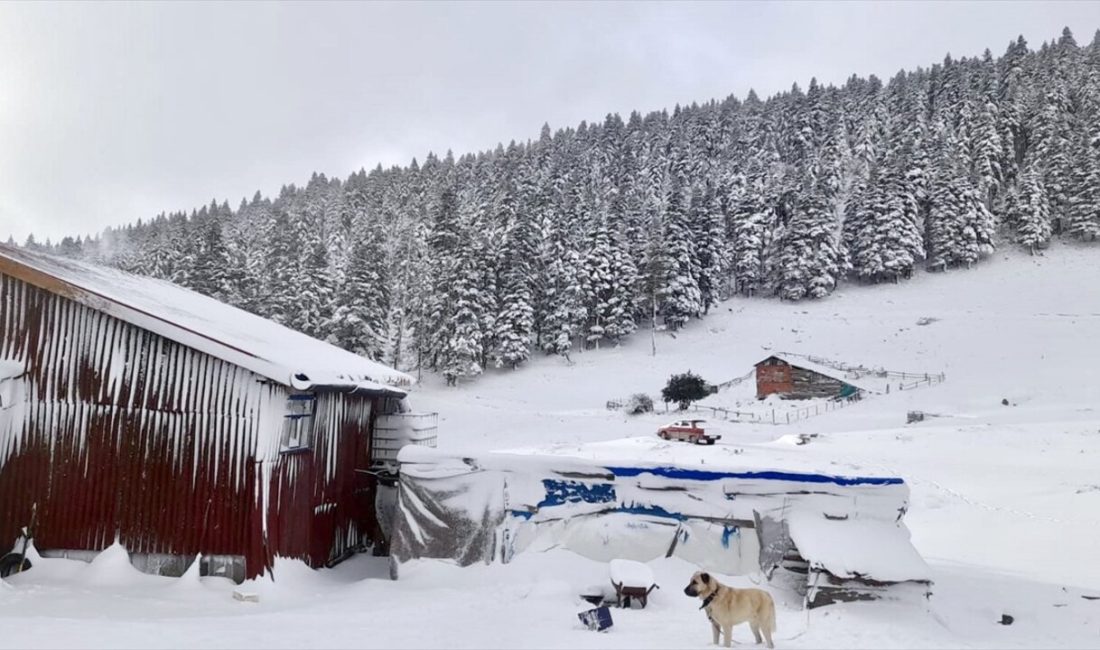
column 1005, row 499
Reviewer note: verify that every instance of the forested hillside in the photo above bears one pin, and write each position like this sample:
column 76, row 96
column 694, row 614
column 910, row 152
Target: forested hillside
column 585, row 234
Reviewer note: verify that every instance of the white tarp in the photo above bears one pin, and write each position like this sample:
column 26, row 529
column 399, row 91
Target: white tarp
column 489, row 507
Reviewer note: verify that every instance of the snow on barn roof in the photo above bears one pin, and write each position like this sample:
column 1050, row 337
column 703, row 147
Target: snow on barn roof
column 821, row 369
column 205, row 324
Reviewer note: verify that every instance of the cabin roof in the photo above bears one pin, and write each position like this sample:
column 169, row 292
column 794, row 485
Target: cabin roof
column 205, row 324
column 820, row 369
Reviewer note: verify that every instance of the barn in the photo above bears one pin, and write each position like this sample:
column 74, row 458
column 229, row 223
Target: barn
column 134, row 410
column 792, row 377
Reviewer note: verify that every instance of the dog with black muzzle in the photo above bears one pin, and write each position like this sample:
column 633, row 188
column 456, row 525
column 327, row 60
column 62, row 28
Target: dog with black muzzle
column 727, row 606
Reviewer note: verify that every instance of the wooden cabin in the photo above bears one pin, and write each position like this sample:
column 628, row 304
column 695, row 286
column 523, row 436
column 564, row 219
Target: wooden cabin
column 796, row 378
column 136, row 410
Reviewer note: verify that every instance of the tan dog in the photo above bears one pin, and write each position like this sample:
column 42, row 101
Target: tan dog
column 726, row 607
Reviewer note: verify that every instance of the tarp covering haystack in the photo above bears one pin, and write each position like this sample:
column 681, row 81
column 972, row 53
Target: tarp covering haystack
column 489, row 507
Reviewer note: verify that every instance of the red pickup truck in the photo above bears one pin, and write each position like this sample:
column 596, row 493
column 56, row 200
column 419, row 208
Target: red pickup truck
column 687, row 431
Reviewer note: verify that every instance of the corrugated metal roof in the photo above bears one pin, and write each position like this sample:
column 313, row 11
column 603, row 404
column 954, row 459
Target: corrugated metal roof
column 223, row 331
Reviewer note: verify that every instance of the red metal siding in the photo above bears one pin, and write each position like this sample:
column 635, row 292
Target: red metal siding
column 128, row 434
column 321, row 505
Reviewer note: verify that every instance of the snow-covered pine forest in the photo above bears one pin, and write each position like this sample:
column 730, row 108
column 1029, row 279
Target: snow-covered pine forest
column 580, row 237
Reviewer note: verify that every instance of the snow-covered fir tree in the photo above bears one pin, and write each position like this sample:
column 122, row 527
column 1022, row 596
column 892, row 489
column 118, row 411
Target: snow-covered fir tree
column 592, row 231
column 1031, row 212
column 359, row 321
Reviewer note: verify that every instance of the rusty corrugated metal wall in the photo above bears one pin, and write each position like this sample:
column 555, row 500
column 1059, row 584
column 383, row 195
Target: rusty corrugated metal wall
column 174, row 451
column 321, row 506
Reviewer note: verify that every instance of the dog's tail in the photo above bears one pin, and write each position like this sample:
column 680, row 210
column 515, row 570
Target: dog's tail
column 771, row 616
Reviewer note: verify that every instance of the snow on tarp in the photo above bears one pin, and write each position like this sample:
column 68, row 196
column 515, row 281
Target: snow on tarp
column 226, row 332
column 872, row 549
column 488, row 507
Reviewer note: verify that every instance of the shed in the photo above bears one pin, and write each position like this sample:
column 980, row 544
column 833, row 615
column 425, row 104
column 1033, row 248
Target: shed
column 138, row 410
column 796, row 378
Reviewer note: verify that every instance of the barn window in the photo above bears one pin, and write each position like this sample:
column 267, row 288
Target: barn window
column 298, row 423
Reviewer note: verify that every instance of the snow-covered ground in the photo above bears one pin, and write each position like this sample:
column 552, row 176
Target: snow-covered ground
column 1005, row 499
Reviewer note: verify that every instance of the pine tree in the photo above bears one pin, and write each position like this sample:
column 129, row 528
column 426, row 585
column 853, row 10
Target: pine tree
column 708, row 230
column 515, row 322
column 445, row 240
column 881, row 233
column 1084, row 201
column 984, row 148
column 679, row 297
column 210, row 274
column 1031, row 212
column 1052, row 152
column 314, row 304
column 566, row 315
column 959, row 227
column 602, row 288
column 807, row 261
column 462, row 350
column 752, row 234
column 359, row 321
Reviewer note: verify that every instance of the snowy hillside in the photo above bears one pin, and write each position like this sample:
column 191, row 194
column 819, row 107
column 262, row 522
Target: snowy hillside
column 1005, row 499
column 582, row 235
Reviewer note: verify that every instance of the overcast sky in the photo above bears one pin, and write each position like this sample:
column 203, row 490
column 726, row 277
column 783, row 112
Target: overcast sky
column 114, row 112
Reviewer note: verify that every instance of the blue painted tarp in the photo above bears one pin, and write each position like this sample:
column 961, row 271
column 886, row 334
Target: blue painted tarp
column 488, row 507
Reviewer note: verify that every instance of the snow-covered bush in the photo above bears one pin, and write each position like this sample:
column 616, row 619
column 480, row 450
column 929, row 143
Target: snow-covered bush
column 639, row 403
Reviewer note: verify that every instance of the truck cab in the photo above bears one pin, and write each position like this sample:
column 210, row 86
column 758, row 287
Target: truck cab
column 687, row 431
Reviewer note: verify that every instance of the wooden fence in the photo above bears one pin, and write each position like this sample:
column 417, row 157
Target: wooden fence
column 775, row 417
column 909, row 381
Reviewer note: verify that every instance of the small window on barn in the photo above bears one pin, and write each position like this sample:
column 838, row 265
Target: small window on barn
column 298, row 423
